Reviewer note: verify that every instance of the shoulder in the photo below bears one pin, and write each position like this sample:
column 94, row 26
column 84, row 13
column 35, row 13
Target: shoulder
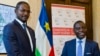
column 9, row 25
column 8, row 29
column 91, row 42
column 70, row 42
column 30, row 29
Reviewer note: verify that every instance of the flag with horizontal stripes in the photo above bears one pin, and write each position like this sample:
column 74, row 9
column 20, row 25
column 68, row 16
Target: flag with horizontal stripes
column 44, row 40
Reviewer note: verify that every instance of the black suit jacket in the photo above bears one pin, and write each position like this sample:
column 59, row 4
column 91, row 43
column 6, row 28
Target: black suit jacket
column 16, row 40
column 91, row 48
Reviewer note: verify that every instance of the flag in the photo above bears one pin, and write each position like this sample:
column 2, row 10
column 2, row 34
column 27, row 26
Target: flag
column 44, row 40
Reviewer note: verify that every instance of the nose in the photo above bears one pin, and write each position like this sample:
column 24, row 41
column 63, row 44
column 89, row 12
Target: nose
column 26, row 13
column 81, row 29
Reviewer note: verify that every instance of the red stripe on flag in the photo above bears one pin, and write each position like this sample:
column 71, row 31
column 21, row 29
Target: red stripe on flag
column 62, row 31
column 52, row 52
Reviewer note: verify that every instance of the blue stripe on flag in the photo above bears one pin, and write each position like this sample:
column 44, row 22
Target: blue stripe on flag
column 44, row 19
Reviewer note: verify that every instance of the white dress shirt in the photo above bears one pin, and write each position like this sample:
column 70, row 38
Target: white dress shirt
column 83, row 45
column 29, row 36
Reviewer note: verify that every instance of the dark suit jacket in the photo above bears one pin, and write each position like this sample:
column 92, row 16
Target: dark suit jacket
column 16, row 40
column 91, row 48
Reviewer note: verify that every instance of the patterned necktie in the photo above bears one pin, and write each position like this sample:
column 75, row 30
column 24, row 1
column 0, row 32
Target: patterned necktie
column 79, row 52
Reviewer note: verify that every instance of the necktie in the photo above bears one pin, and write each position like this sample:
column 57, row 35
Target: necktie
column 24, row 26
column 79, row 52
column 29, row 36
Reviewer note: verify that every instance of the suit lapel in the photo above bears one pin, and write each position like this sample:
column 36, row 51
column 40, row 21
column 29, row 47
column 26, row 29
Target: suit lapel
column 86, row 50
column 22, row 30
column 73, row 47
column 32, row 36
column 24, row 34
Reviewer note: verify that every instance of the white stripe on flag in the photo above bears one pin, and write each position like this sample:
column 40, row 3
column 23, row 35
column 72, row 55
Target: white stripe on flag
column 42, row 43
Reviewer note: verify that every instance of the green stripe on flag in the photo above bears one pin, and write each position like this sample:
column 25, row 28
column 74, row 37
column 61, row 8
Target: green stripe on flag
column 37, row 53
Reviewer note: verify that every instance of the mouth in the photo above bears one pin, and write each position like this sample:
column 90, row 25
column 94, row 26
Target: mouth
column 81, row 34
column 25, row 17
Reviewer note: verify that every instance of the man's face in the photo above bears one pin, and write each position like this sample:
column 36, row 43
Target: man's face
column 80, row 30
column 23, row 12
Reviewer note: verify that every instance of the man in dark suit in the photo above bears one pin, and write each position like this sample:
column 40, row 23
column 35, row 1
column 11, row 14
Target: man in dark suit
column 19, row 39
column 80, row 46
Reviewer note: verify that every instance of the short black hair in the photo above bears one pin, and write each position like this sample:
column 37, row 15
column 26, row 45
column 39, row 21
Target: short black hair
column 79, row 21
column 19, row 3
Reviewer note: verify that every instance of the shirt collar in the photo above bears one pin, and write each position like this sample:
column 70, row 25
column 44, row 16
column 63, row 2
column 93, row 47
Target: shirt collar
column 83, row 40
column 20, row 22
